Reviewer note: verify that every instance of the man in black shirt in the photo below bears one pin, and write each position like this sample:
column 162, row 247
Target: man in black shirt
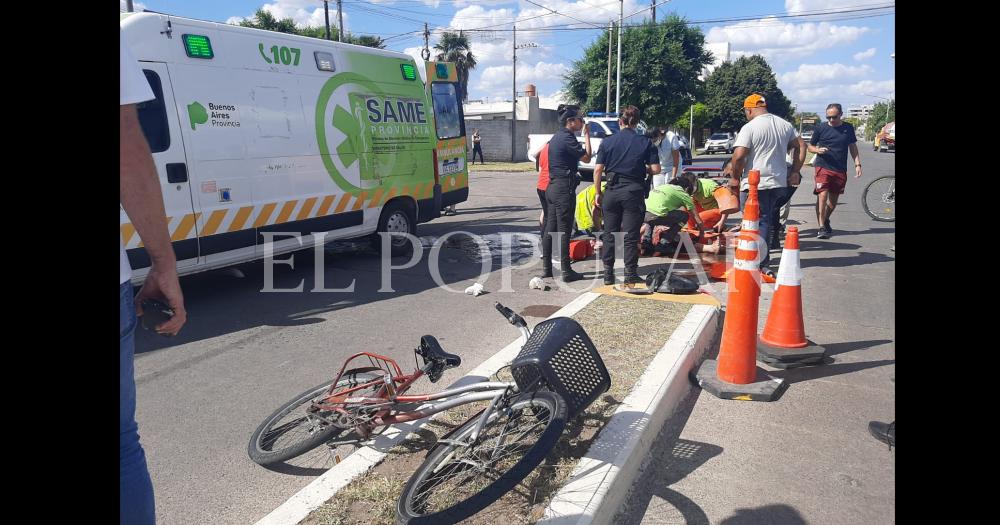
column 831, row 142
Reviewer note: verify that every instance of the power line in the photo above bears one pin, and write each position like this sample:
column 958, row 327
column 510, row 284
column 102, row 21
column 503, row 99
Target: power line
column 553, row 11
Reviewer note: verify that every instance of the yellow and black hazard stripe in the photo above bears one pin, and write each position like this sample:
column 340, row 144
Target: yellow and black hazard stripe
column 236, row 227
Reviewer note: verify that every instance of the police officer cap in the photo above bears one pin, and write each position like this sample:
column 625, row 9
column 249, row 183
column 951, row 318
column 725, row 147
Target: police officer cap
column 567, row 112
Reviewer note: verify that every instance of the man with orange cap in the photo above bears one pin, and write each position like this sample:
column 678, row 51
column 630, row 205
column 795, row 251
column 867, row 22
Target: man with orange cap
column 762, row 145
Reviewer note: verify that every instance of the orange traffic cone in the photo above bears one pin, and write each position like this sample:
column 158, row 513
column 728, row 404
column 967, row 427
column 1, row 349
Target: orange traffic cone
column 735, row 374
column 783, row 342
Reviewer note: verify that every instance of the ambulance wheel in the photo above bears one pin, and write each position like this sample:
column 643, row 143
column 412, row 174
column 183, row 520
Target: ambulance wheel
column 397, row 219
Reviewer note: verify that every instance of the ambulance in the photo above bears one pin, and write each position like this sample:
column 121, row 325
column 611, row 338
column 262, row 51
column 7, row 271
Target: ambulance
column 256, row 132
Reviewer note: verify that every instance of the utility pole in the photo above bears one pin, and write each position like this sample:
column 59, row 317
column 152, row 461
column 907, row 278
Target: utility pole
column 654, row 10
column 326, row 15
column 128, row 6
column 340, row 15
column 425, row 53
column 513, row 113
column 618, row 80
column 611, row 38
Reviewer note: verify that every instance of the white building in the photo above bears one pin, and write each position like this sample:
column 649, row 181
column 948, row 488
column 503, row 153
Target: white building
column 860, row 112
column 719, row 50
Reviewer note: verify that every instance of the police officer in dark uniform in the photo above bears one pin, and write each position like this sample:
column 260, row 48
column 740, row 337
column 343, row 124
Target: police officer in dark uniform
column 565, row 153
column 630, row 161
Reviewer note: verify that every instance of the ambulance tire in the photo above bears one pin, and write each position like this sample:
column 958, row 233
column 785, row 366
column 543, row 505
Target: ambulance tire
column 397, row 216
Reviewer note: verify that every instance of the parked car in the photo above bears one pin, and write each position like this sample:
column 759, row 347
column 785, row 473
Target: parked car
column 721, row 142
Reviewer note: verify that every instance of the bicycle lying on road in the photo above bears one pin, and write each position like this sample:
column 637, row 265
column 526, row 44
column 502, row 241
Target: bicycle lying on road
column 557, row 374
column 879, row 199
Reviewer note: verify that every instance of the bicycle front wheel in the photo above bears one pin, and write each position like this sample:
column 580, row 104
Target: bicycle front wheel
column 459, row 478
column 879, row 199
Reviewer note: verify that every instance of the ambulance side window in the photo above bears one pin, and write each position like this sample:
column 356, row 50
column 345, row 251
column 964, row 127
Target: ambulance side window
column 447, row 111
column 153, row 116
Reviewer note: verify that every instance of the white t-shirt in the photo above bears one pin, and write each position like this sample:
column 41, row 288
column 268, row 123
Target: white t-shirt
column 133, row 88
column 767, row 137
column 666, row 149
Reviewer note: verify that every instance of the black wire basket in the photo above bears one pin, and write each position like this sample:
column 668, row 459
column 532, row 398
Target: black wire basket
column 561, row 357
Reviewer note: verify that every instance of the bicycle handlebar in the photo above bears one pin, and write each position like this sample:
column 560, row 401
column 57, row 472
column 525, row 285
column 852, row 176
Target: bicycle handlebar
column 512, row 318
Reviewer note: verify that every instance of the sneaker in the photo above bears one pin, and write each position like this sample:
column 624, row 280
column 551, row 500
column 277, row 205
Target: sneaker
column 571, row 275
column 609, row 278
column 884, row 432
column 822, row 234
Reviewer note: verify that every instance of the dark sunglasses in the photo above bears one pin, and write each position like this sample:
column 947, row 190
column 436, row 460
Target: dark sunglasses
column 828, row 117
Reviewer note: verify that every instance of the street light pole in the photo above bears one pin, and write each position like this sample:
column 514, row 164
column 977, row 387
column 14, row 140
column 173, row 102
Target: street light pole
column 618, row 79
column 691, row 131
column 607, row 101
column 128, row 6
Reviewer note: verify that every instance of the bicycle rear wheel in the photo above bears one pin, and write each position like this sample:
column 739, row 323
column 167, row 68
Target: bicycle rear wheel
column 293, row 429
column 460, row 478
column 879, row 199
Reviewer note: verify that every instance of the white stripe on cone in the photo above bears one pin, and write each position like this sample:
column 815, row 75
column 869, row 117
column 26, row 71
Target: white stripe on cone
column 789, row 270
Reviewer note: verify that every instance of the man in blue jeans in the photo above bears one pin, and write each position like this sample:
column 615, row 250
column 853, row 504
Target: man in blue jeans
column 139, row 194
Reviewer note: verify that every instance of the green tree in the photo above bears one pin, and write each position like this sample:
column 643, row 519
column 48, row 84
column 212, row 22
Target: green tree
column 882, row 114
column 263, row 19
column 856, row 122
column 683, row 123
column 730, row 83
column 660, row 67
column 455, row 47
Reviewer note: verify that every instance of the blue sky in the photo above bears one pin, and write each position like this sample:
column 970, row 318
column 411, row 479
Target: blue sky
column 819, row 57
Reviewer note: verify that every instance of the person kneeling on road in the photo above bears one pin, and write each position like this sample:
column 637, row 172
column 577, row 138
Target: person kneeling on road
column 671, row 206
column 706, row 206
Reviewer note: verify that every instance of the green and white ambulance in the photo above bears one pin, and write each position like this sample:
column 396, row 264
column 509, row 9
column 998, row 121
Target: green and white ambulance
column 255, row 131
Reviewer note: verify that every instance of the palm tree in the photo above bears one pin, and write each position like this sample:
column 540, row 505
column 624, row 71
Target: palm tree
column 454, row 47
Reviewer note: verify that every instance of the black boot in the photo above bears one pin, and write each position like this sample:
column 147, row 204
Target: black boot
column 609, row 277
column 569, row 275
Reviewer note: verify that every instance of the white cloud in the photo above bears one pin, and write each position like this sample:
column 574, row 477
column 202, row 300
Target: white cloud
column 497, row 79
column 302, row 12
column 864, row 55
column 780, row 41
column 816, row 98
column 808, row 75
column 799, row 6
column 590, row 12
